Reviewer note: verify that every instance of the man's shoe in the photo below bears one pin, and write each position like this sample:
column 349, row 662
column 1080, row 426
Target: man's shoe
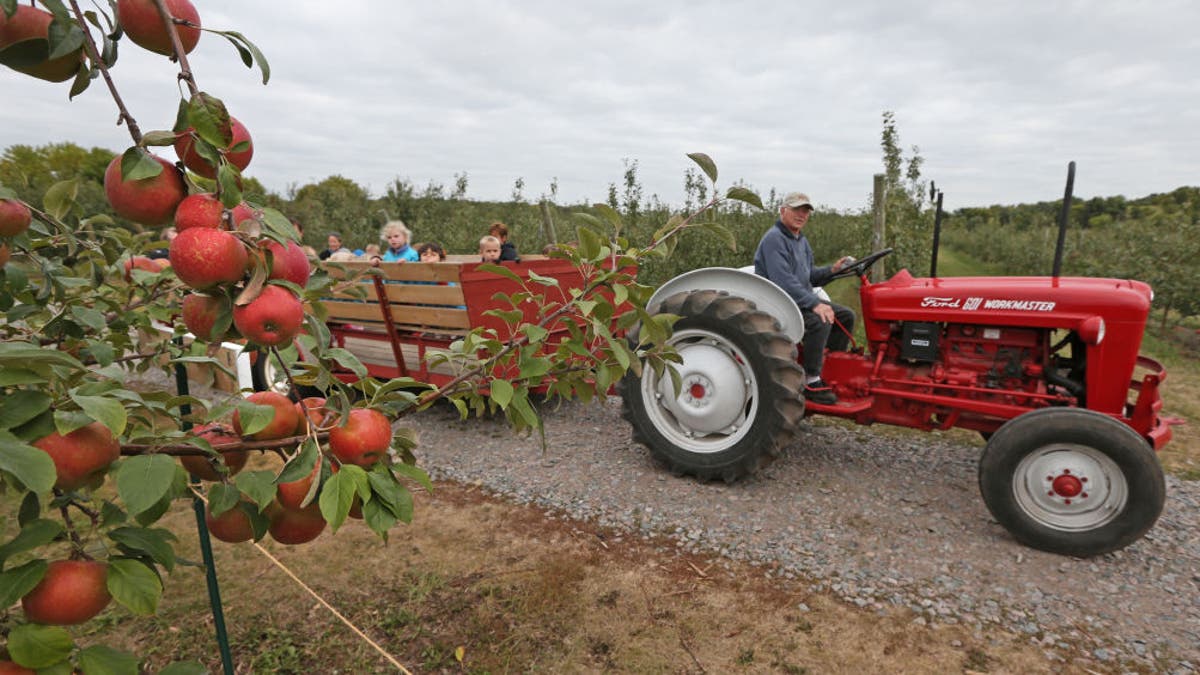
column 820, row 392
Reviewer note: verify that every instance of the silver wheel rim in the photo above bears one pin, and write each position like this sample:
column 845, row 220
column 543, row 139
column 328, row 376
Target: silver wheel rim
column 1070, row 487
column 274, row 381
column 718, row 401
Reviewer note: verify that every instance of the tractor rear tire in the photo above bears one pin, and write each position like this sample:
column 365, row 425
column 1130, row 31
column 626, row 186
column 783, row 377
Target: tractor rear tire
column 740, row 399
column 1071, row 481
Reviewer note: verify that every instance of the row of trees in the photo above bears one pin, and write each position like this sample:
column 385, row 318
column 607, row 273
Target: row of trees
column 1155, row 239
column 444, row 214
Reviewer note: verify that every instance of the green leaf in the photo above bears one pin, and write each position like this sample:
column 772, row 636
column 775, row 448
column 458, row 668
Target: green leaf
column 536, row 333
column 144, row 480
column 534, row 368
column 259, row 486
column 222, row 497
column 104, row 660
column 18, row 581
column 152, row 542
column 106, row 411
column 29, row 465
column 742, row 194
column 65, row 37
column 302, row 464
column 10, row 377
column 610, row 215
column 246, row 45
column 387, row 490
column 521, row 405
column 61, row 197
column 501, row 392
column 348, row 360
column 159, row 138
column 135, row 585
column 720, row 233
column 230, row 181
column 139, row 164
column 35, row 646
column 209, row 118
column 590, row 243
column 501, row 270
column 416, row 473
column 706, row 164
column 32, row 535
column 18, row 407
column 253, row 418
column 379, row 517
column 337, row 495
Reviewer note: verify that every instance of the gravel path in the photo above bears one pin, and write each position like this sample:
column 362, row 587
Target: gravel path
column 877, row 520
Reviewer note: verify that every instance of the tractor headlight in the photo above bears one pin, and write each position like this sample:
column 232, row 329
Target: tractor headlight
column 1092, row 330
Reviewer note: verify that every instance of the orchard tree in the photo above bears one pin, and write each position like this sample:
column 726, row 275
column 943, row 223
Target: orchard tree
column 90, row 465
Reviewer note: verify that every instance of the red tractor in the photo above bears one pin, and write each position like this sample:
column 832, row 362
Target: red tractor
column 1043, row 367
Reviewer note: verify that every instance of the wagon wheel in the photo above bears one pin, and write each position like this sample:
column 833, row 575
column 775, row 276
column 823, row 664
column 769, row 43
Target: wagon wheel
column 740, row 396
column 1071, row 481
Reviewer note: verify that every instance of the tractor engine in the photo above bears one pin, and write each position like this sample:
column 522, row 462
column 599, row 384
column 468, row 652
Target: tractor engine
column 989, row 357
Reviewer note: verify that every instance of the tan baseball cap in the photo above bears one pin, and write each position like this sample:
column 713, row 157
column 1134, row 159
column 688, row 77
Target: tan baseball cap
column 795, row 199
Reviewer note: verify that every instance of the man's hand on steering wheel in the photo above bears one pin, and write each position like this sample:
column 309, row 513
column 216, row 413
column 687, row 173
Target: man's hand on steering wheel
column 842, row 269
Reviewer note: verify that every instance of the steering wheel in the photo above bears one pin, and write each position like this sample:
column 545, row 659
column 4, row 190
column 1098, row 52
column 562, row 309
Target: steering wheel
column 860, row 267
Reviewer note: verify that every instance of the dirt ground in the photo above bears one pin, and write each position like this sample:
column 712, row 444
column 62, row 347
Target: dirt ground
column 479, row 585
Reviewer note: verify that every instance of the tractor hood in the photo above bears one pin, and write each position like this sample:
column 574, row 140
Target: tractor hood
column 1063, row 302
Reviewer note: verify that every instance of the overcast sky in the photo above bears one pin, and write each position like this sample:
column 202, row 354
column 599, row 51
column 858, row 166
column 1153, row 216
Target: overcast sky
column 998, row 96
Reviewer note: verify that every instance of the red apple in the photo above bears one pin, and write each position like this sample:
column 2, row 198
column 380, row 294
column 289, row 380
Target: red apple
column 363, row 440
column 272, row 319
column 72, row 592
column 281, row 426
column 5, row 254
column 197, row 164
column 82, row 457
column 295, row 526
column 204, row 257
column 292, row 494
column 149, row 201
column 200, row 315
column 318, row 415
column 289, row 264
column 27, row 33
column 201, row 466
column 8, row 667
column 199, row 210
column 144, row 25
column 14, row 216
column 141, row 262
column 233, row 526
column 242, row 212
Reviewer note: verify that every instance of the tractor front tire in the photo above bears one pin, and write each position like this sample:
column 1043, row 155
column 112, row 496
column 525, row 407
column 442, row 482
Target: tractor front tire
column 1071, row 481
column 740, row 398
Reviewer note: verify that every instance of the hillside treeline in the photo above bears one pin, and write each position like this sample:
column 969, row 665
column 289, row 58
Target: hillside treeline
column 1155, row 239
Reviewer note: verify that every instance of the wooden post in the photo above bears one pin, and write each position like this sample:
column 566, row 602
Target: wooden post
column 879, row 227
column 548, row 224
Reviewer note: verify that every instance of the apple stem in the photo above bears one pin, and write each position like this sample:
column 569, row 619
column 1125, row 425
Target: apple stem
column 94, row 57
column 185, row 70
column 291, row 383
column 76, row 542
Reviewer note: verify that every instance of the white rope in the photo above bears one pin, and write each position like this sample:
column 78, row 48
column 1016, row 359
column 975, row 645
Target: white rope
column 326, row 605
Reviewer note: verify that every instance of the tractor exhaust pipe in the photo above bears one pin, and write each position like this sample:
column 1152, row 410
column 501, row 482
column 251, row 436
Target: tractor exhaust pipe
column 1062, row 220
column 937, row 234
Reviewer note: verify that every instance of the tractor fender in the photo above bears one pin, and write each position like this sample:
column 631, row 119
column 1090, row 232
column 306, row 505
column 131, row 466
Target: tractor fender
column 743, row 283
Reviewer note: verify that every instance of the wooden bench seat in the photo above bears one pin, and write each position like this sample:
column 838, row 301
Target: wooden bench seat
column 428, row 306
